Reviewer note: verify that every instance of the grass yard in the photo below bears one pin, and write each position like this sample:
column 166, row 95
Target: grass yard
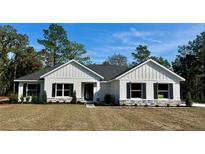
column 78, row 117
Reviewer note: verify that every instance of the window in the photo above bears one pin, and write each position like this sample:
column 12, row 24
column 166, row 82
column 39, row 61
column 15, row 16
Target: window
column 32, row 90
column 59, row 90
column 67, row 89
column 136, row 90
column 63, row 89
column 163, row 91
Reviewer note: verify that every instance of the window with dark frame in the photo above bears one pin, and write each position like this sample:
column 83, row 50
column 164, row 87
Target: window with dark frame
column 31, row 89
column 59, row 90
column 163, row 91
column 67, row 89
column 136, row 90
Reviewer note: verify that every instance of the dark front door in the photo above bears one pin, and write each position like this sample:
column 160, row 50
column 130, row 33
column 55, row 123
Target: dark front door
column 88, row 92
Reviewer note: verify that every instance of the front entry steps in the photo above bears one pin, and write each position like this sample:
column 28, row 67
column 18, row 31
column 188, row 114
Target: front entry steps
column 90, row 105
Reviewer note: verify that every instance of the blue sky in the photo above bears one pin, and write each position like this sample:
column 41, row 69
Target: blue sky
column 103, row 40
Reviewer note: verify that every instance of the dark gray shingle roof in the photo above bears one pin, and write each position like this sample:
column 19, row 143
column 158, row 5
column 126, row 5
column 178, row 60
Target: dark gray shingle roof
column 107, row 71
column 38, row 74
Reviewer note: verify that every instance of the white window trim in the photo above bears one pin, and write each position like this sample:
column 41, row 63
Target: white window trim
column 136, row 98
column 62, row 90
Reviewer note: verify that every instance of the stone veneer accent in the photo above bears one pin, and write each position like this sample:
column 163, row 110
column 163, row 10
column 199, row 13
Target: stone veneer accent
column 150, row 102
column 67, row 100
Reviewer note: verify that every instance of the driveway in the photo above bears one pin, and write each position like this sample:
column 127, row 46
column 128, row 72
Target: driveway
column 198, row 105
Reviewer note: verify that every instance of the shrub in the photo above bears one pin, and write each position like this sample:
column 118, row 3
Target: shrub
column 27, row 99
column 35, row 99
column 178, row 105
column 168, row 105
column 13, row 98
column 74, row 99
column 109, row 99
column 44, row 97
column 188, row 99
column 157, row 105
column 21, row 99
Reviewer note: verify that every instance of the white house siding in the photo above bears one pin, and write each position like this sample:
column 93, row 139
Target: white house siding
column 104, row 89
column 115, row 89
column 74, row 74
column 149, row 73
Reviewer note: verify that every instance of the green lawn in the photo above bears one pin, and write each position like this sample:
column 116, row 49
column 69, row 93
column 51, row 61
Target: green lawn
column 78, row 117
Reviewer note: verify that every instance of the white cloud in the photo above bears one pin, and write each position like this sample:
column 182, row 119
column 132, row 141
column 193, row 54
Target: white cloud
column 126, row 36
column 161, row 42
column 130, row 36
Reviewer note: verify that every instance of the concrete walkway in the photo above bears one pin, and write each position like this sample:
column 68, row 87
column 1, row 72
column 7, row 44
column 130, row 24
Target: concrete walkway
column 90, row 105
column 198, row 105
column 195, row 105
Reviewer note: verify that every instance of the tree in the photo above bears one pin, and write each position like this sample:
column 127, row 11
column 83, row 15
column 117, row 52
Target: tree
column 54, row 42
column 188, row 100
column 116, row 59
column 190, row 63
column 162, row 61
column 141, row 54
column 75, row 51
column 27, row 62
column 58, row 49
column 46, row 58
column 17, row 58
column 7, row 42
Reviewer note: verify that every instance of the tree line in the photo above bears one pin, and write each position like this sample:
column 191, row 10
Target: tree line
column 18, row 58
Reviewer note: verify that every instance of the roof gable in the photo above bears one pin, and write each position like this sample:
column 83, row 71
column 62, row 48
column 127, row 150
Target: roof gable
column 154, row 62
column 61, row 66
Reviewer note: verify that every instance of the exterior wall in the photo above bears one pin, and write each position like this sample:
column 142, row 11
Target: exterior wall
column 104, row 89
column 149, row 89
column 149, row 73
column 74, row 74
column 115, row 89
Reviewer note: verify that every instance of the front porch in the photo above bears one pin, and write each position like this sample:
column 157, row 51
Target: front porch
column 30, row 88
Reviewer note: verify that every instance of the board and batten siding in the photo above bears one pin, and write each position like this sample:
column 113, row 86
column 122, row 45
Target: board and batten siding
column 104, row 89
column 72, row 70
column 74, row 74
column 149, row 73
column 115, row 89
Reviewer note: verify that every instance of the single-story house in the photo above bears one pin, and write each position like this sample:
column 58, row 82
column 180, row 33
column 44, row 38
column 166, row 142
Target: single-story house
column 147, row 83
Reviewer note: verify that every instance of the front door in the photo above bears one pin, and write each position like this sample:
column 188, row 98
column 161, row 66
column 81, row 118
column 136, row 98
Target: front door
column 88, row 92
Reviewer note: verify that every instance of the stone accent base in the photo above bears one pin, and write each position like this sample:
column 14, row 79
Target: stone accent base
column 61, row 100
column 151, row 102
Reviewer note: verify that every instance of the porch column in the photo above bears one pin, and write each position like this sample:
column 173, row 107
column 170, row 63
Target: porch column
column 20, row 90
column 96, row 91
